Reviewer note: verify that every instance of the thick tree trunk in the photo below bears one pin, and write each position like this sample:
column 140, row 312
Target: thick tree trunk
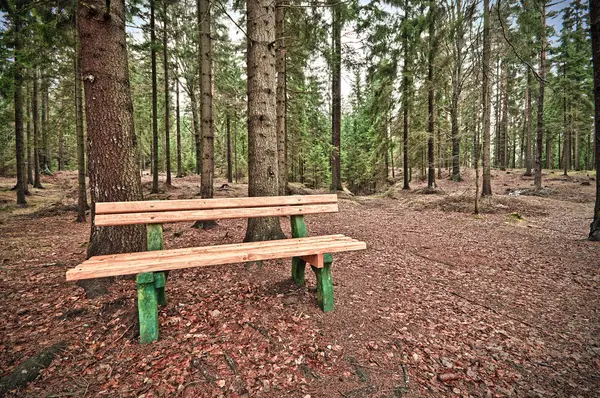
column 81, row 186
column 178, row 129
column 112, row 148
column 207, row 127
column 595, row 28
column 167, row 96
column 486, row 188
column 36, row 134
column 336, row 97
column 540, row 117
column 281, row 96
column 262, row 134
column 431, row 99
column 154, row 99
column 21, row 186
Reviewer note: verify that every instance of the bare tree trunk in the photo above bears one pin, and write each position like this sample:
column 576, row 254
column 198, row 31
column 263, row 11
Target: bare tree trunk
column 154, row 99
column 281, row 96
column 36, row 134
column 196, row 127
column 595, row 28
column 167, row 95
column 431, row 99
column 21, row 186
column 486, row 189
column 81, row 187
column 528, row 132
column 112, row 159
column 336, row 96
column 45, row 152
column 60, row 154
column 29, row 143
column 178, row 124
column 577, row 150
column 262, row 134
column 540, row 117
column 504, row 156
column 405, row 98
column 229, row 165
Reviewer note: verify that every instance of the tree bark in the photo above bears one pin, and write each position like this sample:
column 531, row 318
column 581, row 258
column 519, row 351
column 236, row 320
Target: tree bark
column 262, row 134
column 60, row 154
column 21, row 186
column 595, row 28
column 456, row 89
column 405, row 98
column 336, row 97
column 229, row 165
column 527, row 127
column 29, row 144
column 167, row 96
column 207, row 127
column 281, row 96
column 112, row 147
column 45, row 150
column 154, row 99
column 537, row 178
column 178, row 129
column 486, row 188
column 81, row 185
column 36, row 134
column 431, row 99
column 504, row 119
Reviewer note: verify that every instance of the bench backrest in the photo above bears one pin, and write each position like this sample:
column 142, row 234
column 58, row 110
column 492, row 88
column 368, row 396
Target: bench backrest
column 165, row 211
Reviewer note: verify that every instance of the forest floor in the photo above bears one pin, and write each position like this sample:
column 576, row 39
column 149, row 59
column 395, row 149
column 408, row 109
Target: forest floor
column 442, row 302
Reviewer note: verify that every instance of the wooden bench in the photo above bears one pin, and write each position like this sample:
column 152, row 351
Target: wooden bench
column 150, row 265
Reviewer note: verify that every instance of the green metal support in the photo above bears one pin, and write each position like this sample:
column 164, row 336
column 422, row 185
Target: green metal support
column 147, row 307
column 154, row 233
column 325, row 284
column 298, row 265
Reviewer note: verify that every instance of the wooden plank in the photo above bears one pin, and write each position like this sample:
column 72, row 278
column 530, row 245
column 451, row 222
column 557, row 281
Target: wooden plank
column 216, row 248
column 208, row 204
column 210, row 259
column 218, row 214
column 126, row 260
column 316, row 260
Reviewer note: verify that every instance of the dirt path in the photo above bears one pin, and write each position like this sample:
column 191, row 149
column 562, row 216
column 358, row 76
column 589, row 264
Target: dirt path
column 442, row 303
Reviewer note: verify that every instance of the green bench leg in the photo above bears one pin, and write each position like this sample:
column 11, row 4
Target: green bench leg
column 147, row 307
column 154, row 234
column 159, row 284
column 325, row 284
column 298, row 265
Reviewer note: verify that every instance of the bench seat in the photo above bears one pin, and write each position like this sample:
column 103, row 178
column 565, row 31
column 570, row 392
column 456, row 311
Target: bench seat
column 310, row 249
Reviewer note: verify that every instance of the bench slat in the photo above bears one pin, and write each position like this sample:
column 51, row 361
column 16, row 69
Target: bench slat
column 212, row 251
column 214, row 214
column 215, row 258
column 204, row 249
column 208, row 204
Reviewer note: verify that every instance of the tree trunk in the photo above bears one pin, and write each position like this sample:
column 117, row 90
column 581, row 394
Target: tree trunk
column 60, row 153
column 229, row 165
column 113, row 155
column 504, row 119
column 154, row 99
column 431, row 99
column 29, row 144
column 336, row 96
column 36, row 134
column 178, row 129
column 486, row 188
column 405, row 98
column 595, row 28
column 21, row 186
column 167, row 96
column 81, row 188
column 262, row 134
column 281, row 96
column 540, row 117
column 45, row 150
column 527, row 127
column 577, row 150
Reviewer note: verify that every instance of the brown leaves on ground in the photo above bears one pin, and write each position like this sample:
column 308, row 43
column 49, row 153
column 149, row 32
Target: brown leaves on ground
column 441, row 304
